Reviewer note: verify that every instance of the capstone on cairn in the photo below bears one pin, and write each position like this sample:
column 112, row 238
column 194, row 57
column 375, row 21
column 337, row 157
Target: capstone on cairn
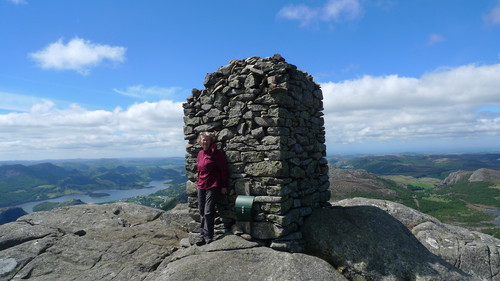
column 267, row 115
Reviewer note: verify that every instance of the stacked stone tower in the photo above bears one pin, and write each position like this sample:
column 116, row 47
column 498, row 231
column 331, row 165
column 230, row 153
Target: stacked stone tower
column 268, row 119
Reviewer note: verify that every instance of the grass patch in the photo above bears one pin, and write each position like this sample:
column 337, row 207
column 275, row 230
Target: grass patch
column 494, row 231
column 436, row 199
column 473, row 192
column 422, row 185
column 45, row 186
column 416, row 183
column 460, row 204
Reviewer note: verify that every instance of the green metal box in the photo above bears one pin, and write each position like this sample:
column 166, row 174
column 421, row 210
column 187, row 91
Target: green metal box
column 243, row 206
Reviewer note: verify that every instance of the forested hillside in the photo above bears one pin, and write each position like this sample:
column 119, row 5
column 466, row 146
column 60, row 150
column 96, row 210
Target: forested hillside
column 21, row 183
column 431, row 165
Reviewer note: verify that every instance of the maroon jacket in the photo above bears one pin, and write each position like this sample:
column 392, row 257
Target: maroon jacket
column 212, row 168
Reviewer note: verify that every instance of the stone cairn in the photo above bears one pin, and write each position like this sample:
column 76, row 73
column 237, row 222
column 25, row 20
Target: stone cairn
column 267, row 116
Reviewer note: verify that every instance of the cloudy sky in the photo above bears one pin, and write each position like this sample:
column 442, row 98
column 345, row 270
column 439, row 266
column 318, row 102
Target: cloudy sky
column 100, row 79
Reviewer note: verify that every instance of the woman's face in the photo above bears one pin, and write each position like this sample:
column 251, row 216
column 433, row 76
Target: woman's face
column 205, row 142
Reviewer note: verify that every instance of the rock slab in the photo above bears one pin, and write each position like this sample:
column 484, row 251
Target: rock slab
column 474, row 253
column 87, row 242
column 357, row 239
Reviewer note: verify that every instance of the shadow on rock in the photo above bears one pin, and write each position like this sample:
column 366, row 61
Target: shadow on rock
column 367, row 242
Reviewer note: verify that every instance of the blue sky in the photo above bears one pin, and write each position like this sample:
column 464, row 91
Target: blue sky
column 99, row 79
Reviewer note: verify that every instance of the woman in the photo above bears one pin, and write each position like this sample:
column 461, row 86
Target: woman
column 212, row 180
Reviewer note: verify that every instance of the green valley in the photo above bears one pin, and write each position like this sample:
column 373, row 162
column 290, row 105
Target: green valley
column 418, row 182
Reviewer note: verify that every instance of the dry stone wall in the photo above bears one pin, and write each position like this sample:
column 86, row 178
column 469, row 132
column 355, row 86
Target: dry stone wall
column 267, row 116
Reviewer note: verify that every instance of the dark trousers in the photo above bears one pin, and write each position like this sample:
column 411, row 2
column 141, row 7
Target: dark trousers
column 206, row 204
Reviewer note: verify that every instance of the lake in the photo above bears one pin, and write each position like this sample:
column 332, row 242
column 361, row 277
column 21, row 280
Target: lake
column 497, row 212
column 114, row 194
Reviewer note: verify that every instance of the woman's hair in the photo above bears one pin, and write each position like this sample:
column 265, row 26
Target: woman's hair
column 206, row 134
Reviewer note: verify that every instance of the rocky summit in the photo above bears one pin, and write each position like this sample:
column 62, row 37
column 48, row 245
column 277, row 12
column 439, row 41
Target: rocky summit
column 344, row 182
column 474, row 176
column 356, row 239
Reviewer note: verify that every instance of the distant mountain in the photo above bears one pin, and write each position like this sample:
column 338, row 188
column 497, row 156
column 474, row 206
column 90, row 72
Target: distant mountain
column 16, row 177
column 345, row 183
column 50, row 172
column 485, row 175
column 480, row 175
column 20, row 183
column 437, row 166
column 456, row 177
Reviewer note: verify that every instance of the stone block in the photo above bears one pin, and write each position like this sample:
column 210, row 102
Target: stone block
column 194, row 226
column 233, row 156
column 252, row 156
column 192, row 202
column 242, row 187
column 278, row 131
column 231, row 122
column 188, row 130
column 214, row 126
column 251, row 81
column 213, row 112
column 268, row 169
column 269, row 199
column 267, row 121
column 192, row 167
column 284, row 220
column 192, row 121
column 280, row 155
column 276, row 208
column 236, row 168
column 270, row 140
column 191, row 188
column 191, row 175
column 258, row 133
column 269, row 230
column 278, row 190
column 194, row 214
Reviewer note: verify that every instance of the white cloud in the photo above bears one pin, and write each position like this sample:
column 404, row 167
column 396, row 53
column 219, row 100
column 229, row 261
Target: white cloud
column 493, row 17
column 454, row 104
column 298, row 12
column 78, row 54
column 337, row 9
column 139, row 91
column 333, row 10
column 45, row 131
column 441, row 105
column 435, row 39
